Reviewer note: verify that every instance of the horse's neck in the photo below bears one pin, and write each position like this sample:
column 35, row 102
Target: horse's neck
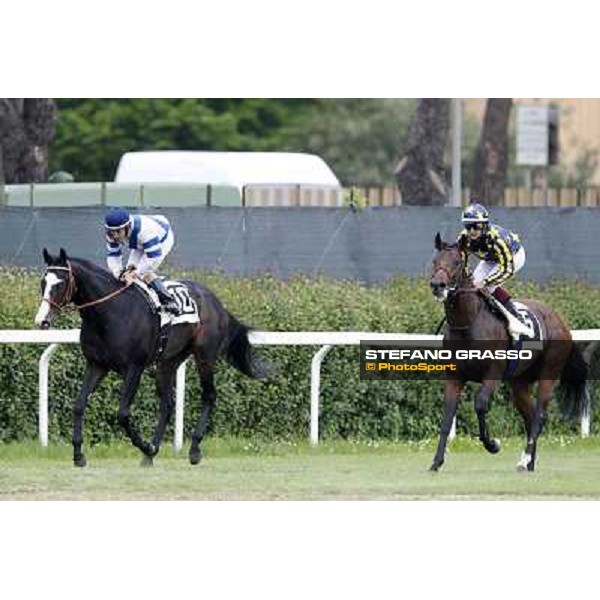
column 91, row 286
column 463, row 311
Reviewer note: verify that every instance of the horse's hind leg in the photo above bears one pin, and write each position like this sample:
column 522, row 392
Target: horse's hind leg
column 481, row 408
column 209, row 398
column 545, row 387
column 522, row 394
column 128, row 390
column 165, row 386
column 92, row 378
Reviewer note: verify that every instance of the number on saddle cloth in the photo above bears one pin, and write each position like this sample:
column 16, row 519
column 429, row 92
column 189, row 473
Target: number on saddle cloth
column 181, row 295
column 189, row 311
column 530, row 319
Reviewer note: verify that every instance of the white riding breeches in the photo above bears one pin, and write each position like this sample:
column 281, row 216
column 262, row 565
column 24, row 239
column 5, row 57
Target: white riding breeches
column 147, row 267
column 486, row 268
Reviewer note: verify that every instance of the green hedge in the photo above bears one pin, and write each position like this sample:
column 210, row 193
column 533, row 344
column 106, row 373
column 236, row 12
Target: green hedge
column 280, row 409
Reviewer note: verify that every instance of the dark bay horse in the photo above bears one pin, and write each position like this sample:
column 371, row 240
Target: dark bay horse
column 470, row 320
column 120, row 332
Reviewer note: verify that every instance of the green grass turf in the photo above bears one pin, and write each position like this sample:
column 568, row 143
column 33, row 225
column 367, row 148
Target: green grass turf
column 234, row 469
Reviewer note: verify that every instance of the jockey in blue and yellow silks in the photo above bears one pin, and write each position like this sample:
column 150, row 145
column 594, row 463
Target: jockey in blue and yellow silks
column 502, row 255
column 150, row 238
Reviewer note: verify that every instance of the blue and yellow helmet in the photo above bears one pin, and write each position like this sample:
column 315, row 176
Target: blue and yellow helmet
column 116, row 218
column 475, row 213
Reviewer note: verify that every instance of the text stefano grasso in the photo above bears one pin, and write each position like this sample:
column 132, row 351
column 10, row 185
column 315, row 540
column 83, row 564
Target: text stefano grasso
column 390, row 354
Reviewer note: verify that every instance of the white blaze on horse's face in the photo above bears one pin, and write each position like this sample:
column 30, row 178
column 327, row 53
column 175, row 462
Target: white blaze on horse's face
column 50, row 280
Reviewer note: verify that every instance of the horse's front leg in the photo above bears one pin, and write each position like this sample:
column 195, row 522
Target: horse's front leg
column 92, row 378
column 452, row 391
column 527, row 461
column 481, row 408
column 130, row 386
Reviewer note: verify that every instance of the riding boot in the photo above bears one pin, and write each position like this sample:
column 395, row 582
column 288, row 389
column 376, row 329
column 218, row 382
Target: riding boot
column 517, row 326
column 504, row 298
column 166, row 299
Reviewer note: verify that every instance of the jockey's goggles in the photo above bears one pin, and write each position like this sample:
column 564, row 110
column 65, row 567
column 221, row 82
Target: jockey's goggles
column 475, row 226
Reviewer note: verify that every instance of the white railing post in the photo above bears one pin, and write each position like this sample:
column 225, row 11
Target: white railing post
column 326, row 339
column 452, row 433
column 179, row 406
column 315, row 387
column 585, row 414
column 44, row 365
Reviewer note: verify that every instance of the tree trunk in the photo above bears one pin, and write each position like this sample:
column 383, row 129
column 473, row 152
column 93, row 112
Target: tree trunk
column 27, row 126
column 491, row 156
column 421, row 174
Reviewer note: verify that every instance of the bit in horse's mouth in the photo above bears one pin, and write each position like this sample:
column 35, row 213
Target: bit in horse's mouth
column 441, row 295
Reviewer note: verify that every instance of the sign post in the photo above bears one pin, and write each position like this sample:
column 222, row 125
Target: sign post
column 532, row 144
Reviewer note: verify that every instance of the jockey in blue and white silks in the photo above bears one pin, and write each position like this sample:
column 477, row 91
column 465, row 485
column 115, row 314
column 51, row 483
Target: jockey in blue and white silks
column 150, row 238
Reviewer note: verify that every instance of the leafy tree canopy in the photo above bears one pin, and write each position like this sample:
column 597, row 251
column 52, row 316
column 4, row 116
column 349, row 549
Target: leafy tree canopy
column 361, row 139
column 92, row 134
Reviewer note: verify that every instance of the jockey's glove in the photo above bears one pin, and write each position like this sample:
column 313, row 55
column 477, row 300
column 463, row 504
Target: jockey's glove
column 126, row 271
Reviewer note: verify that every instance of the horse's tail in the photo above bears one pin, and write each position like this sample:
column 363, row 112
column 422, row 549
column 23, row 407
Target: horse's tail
column 573, row 392
column 239, row 354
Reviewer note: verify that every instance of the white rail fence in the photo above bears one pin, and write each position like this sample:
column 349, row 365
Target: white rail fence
column 325, row 339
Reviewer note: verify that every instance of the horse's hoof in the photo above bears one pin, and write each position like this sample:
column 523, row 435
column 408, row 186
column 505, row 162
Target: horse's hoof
column 151, row 450
column 493, row 446
column 80, row 461
column 525, row 463
column 435, row 468
column 195, row 456
column 147, row 461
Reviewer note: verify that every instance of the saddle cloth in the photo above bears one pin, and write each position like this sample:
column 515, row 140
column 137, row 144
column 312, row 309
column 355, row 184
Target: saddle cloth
column 188, row 308
column 532, row 321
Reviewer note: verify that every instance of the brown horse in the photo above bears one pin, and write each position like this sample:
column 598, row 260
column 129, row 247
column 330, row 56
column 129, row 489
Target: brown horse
column 470, row 320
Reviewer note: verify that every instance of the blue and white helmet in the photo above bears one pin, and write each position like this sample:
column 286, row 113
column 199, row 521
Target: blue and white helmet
column 475, row 213
column 116, row 218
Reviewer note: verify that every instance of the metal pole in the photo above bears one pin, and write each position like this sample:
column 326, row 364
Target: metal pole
column 44, row 364
column 179, row 406
column 315, row 385
column 456, row 151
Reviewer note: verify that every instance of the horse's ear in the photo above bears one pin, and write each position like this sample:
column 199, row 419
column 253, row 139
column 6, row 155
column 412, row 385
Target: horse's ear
column 438, row 242
column 47, row 257
column 462, row 243
column 62, row 256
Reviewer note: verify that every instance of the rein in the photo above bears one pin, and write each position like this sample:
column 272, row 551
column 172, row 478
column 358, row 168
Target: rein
column 67, row 298
column 452, row 293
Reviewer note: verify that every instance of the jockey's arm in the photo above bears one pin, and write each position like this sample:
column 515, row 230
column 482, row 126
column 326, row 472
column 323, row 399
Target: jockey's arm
column 462, row 242
column 505, row 260
column 114, row 257
column 147, row 268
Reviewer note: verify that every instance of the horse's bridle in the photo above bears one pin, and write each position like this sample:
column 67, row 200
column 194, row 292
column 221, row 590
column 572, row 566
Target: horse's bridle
column 67, row 297
column 451, row 297
column 69, row 291
column 453, row 290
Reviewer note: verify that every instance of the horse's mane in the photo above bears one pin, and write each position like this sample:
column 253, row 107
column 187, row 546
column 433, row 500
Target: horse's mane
column 94, row 268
